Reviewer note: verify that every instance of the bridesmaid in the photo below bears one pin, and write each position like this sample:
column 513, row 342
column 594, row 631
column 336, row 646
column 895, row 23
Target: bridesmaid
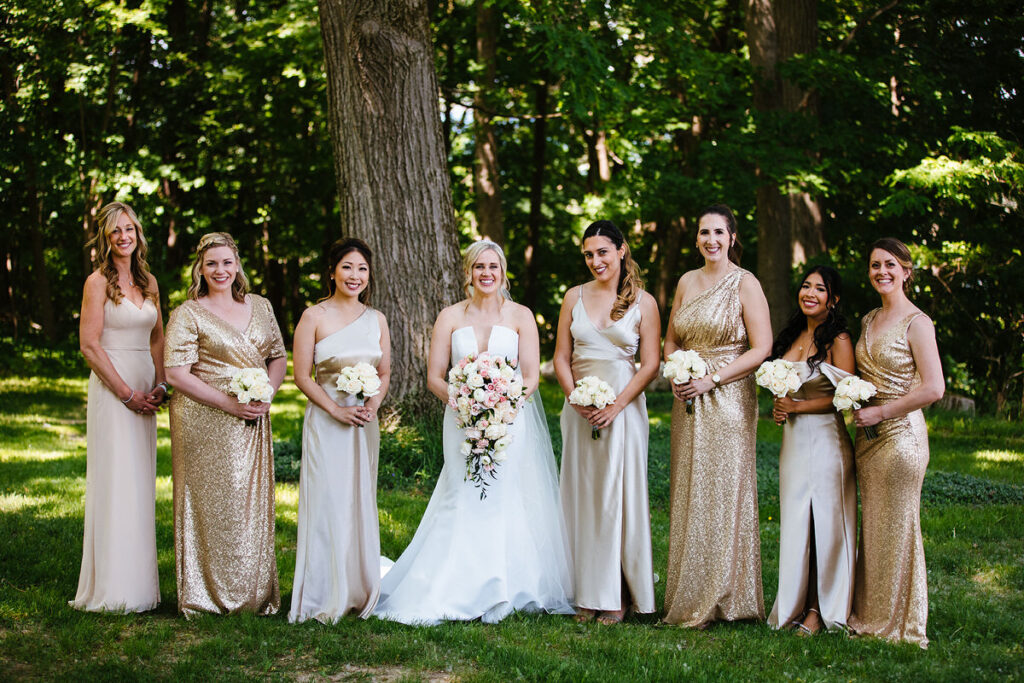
column 122, row 339
column 714, row 555
column 817, row 491
column 897, row 353
column 221, row 453
column 601, row 327
column 337, row 566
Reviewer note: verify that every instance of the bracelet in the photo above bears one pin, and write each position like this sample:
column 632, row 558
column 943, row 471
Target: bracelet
column 167, row 389
column 130, row 397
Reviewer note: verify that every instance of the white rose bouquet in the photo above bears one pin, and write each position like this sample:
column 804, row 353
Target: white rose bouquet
column 852, row 392
column 360, row 380
column 682, row 366
column 592, row 391
column 251, row 384
column 486, row 394
column 778, row 376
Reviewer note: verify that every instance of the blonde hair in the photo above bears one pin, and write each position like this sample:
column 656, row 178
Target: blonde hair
column 470, row 256
column 209, row 241
column 630, row 282
column 106, row 223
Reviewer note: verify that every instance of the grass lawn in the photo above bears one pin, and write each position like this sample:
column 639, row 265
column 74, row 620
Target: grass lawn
column 973, row 521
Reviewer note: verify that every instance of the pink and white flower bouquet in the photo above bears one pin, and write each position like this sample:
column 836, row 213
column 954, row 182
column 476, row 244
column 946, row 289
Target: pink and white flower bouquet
column 486, row 394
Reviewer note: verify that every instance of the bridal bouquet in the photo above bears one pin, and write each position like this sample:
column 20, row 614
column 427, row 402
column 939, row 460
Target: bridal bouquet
column 360, row 380
column 778, row 376
column 592, row 391
column 486, row 394
column 682, row 366
column 251, row 384
column 851, row 393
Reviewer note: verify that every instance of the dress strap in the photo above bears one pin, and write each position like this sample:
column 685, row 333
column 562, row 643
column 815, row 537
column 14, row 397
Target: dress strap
column 912, row 318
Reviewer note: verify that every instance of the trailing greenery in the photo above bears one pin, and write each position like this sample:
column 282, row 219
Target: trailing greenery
column 972, row 543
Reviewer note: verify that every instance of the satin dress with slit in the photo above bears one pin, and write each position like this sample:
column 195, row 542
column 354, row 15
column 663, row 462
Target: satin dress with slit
column 337, row 559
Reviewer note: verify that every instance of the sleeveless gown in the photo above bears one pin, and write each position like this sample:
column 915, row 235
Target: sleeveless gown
column 483, row 559
column 714, row 553
column 337, row 563
column 223, row 468
column 119, row 570
column 604, row 481
column 890, row 595
column 817, row 505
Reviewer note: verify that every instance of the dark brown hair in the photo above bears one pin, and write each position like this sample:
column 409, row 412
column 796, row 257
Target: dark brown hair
column 735, row 248
column 336, row 252
column 630, row 282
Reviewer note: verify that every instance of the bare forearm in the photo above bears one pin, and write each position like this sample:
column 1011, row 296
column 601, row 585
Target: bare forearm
column 920, row 397
column 197, row 389
column 100, row 363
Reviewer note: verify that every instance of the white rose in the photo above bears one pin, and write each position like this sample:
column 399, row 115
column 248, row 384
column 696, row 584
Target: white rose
column 475, row 380
column 474, row 434
column 495, row 431
column 507, row 372
column 243, row 397
column 842, row 403
column 466, row 448
column 485, row 460
column 793, row 381
column 479, row 395
column 778, row 386
column 866, row 392
column 501, row 444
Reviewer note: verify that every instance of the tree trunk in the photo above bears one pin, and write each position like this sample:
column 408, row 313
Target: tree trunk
column 390, row 165
column 531, row 257
column 486, row 175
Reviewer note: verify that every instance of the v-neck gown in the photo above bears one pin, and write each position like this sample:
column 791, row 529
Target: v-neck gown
column 223, row 468
column 604, row 481
column 474, row 558
column 337, row 560
column 119, row 546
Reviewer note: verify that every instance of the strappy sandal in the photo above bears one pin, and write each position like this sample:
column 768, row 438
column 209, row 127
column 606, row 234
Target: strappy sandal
column 805, row 631
column 612, row 618
column 584, row 615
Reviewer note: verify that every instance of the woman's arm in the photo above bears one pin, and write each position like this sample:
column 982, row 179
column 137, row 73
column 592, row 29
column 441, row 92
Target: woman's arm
column 90, row 329
column 182, row 379
column 529, row 350
column 562, row 359
column 156, row 349
column 841, row 356
column 921, row 337
column 383, row 367
column 440, row 355
column 650, row 346
column 672, row 341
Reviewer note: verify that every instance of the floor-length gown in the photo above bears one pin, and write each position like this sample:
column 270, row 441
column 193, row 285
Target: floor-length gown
column 890, row 595
column 337, row 560
column 485, row 558
column 223, row 467
column 604, row 480
column 817, row 507
column 119, row 546
column 714, row 554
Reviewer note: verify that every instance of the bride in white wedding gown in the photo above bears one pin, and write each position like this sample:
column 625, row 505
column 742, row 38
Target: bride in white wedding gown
column 474, row 558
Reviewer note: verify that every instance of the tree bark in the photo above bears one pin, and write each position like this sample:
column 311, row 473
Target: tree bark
column 391, row 172
column 531, row 257
column 486, row 173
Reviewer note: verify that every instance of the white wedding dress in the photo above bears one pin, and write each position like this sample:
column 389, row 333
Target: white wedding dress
column 484, row 559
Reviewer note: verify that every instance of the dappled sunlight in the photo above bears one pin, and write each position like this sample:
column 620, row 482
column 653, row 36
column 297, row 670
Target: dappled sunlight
column 999, row 456
column 14, row 502
column 995, row 580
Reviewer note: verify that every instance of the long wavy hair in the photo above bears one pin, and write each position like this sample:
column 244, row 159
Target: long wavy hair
column 470, row 256
column 735, row 248
column 902, row 255
column 336, row 252
column 630, row 282
column 825, row 334
column 209, row 241
column 103, row 253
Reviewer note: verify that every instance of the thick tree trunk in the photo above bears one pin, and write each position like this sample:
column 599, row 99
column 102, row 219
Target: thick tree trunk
column 531, row 257
column 789, row 226
column 486, row 175
column 390, row 165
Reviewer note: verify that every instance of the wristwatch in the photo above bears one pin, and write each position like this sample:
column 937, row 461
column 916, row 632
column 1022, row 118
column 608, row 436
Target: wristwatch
column 717, row 379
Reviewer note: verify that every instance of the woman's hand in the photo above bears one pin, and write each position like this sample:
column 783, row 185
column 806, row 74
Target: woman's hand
column 783, row 407
column 157, row 395
column 868, row 417
column 247, row 411
column 584, row 411
column 694, row 388
column 356, row 416
column 599, row 419
column 141, row 403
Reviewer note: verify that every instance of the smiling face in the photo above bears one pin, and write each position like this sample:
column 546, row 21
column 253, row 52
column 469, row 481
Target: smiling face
column 886, row 273
column 219, row 267
column 603, row 259
column 813, row 297
column 351, row 275
column 713, row 237
column 486, row 274
column 123, row 238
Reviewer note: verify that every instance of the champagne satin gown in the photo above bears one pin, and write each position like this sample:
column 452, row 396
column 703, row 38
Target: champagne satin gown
column 223, row 468
column 714, row 554
column 604, row 481
column 119, row 571
column 337, row 561
column 890, row 595
column 817, row 507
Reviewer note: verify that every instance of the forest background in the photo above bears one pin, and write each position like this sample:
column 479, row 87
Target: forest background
column 824, row 125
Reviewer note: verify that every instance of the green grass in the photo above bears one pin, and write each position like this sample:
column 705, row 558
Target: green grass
column 972, row 517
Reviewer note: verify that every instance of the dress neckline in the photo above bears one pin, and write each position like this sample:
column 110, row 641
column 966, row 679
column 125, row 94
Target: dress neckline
column 490, row 334
column 241, row 331
column 344, row 327
column 137, row 308
column 591, row 320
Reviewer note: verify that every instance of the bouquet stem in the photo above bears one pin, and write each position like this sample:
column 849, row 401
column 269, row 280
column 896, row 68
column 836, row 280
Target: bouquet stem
column 689, row 406
column 870, row 432
column 595, row 433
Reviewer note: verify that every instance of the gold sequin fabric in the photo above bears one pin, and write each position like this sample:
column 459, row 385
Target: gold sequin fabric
column 223, row 468
column 890, row 597
column 714, row 558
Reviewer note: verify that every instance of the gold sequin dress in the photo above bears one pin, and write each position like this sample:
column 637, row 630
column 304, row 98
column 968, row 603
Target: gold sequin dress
column 337, row 559
column 119, row 546
column 223, row 468
column 890, row 595
column 714, row 555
